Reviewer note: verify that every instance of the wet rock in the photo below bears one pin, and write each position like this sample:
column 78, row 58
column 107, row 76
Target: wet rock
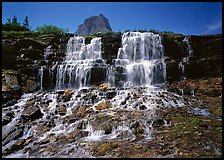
column 158, row 123
column 62, row 110
column 103, row 105
column 75, row 135
column 81, row 111
column 7, row 118
column 111, row 94
column 136, row 124
column 9, row 103
column 107, row 129
column 142, row 107
column 7, row 96
column 31, row 85
column 31, row 113
column 104, row 85
column 11, row 80
column 11, row 134
column 19, row 144
column 5, row 87
column 29, row 140
column 136, row 113
column 68, row 93
column 44, row 141
column 42, row 128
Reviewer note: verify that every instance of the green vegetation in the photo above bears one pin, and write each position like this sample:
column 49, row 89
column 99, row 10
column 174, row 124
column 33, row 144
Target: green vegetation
column 19, row 34
column 12, row 28
column 50, row 29
column 13, row 25
column 185, row 125
column 91, row 36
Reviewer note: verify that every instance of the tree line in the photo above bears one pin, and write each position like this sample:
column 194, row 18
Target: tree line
column 14, row 25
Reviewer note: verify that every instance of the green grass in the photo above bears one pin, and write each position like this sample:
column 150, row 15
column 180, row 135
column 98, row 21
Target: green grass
column 19, row 34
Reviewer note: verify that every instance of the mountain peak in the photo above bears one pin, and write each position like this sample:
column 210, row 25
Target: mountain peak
column 94, row 25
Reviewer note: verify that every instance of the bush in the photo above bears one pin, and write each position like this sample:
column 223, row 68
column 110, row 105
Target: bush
column 49, row 29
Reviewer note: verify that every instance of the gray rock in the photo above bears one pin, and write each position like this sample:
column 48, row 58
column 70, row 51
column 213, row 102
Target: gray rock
column 31, row 85
column 10, row 134
column 11, row 80
column 31, row 113
column 94, row 25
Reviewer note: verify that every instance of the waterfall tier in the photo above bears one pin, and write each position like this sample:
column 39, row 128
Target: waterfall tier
column 80, row 59
column 140, row 59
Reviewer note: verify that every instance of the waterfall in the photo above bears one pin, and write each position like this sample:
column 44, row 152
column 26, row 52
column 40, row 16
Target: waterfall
column 185, row 60
column 140, row 59
column 80, row 62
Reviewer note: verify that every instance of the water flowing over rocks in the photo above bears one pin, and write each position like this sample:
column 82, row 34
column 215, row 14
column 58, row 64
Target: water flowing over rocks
column 118, row 96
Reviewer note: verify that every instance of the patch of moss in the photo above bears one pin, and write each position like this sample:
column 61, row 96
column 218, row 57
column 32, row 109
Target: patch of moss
column 216, row 110
column 218, row 129
column 185, row 125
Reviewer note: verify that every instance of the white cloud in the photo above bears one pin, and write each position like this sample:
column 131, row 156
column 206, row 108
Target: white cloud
column 212, row 27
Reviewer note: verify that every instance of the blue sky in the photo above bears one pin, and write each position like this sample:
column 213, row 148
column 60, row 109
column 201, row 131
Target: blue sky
column 179, row 17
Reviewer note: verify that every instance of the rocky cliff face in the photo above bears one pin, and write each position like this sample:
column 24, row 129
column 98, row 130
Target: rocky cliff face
column 25, row 56
column 94, row 25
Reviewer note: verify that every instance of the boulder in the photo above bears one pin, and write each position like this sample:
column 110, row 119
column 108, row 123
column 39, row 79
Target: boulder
column 5, row 86
column 31, row 113
column 11, row 80
column 103, row 105
column 62, row 110
column 68, row 93
column 7, row 117
column 31, row 85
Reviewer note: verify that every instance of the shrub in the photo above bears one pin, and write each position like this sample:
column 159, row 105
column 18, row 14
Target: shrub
column 49, row 29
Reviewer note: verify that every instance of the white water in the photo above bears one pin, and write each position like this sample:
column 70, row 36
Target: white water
column 141, row 56
column 185, row 60
column 48, row 51
column 75, row 71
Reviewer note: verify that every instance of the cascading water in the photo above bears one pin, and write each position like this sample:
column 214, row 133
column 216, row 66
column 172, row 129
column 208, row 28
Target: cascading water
column 140, row 59
column 80, row 58
column 185, row 60
column 96, row 114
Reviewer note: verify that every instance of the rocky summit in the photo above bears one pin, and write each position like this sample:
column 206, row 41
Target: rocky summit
column 94, row 25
